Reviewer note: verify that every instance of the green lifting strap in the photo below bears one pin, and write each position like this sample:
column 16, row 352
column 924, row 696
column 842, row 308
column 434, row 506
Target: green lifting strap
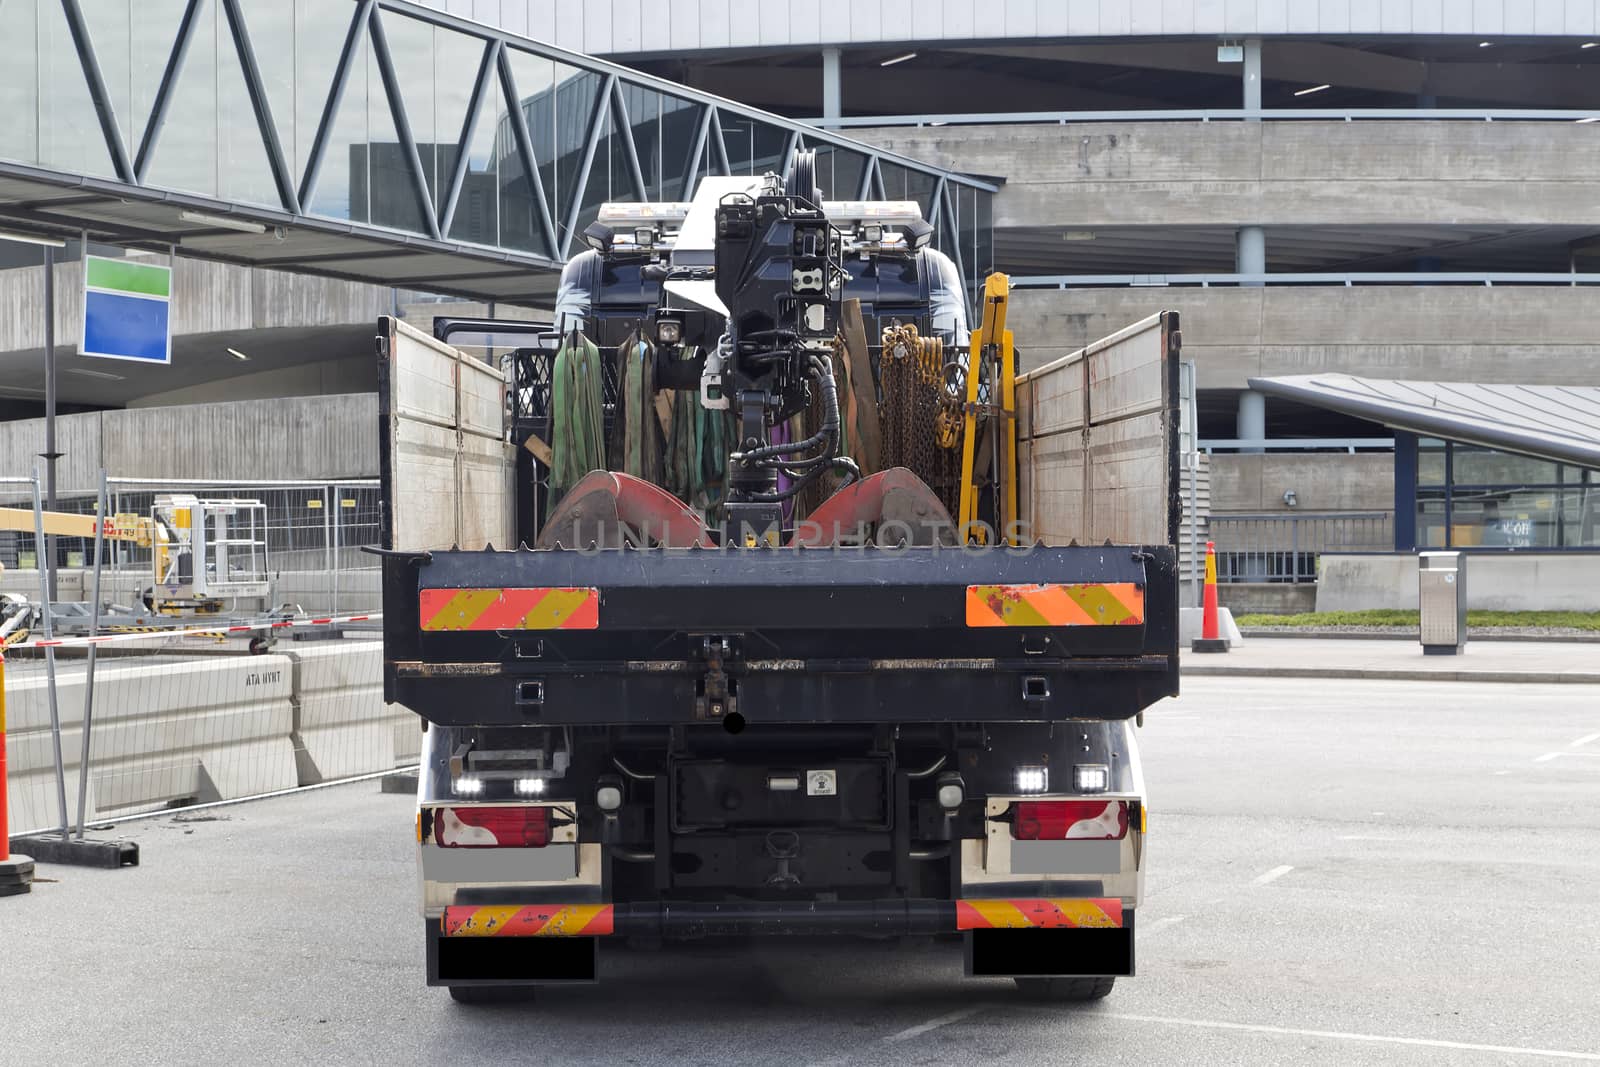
column 716, row 441
column 641, row 429
column 683, row 477
column 578, row 415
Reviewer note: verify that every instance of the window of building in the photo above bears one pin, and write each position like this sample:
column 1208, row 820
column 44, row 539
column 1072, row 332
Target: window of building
column 1469, row 496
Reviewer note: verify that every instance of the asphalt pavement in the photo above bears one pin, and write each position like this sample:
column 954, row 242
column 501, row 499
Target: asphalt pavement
column 1340, row 872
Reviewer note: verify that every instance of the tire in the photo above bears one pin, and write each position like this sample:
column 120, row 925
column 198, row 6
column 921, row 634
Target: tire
column 1075, row 990
column 491, row 994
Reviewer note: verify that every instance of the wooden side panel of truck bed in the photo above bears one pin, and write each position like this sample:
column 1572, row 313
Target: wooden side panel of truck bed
column 1097, row 440
column 446, row 467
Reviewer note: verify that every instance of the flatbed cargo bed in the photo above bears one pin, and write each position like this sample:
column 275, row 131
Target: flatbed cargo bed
column 787, row 635
column 803, row 635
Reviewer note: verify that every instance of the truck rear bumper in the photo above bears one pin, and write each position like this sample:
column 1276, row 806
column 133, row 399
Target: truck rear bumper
column 687, row 920
column 558, row 944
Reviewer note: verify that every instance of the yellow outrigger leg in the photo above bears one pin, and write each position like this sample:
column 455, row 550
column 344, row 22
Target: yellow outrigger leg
column 992, row 343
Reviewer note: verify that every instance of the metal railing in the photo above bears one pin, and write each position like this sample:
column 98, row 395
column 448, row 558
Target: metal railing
column 1345, row 278
column 1286, row 548
column 1242, row 114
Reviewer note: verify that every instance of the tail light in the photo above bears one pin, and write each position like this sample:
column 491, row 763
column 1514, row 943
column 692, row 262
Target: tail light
column 486, row 827
column 1065, row 820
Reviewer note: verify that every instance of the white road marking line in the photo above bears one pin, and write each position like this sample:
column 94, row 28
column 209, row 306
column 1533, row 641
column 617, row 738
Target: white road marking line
column 1271, row 876
column 1159, row 924
column 1546, row 758
column 1367, row 837
column 933, row 1024
column 1342, row 1035
column 1502, row 772
column 1552, row 755
column 1580, row 742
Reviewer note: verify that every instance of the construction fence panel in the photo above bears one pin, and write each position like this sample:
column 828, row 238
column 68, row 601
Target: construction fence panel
column 190, row 718
column 314, row 538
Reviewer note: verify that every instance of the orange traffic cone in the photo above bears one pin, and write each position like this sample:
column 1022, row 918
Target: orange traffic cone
column 16, row 872
column 1210, row 639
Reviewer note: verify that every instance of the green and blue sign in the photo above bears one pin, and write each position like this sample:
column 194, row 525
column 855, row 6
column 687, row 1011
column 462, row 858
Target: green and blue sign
column 127, row 310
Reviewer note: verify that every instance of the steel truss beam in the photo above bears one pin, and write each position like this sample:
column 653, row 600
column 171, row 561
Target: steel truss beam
column 296, row 192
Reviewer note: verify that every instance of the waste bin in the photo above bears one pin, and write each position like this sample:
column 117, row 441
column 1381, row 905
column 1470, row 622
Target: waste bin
column 1442, row 595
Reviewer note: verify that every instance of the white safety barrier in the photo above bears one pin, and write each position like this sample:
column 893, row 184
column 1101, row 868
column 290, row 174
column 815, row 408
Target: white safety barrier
column 191, row 716
column 342, row 727
column 163, row 732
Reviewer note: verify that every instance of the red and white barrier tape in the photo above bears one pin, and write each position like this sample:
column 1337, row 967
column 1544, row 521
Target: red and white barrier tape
column 197, row 631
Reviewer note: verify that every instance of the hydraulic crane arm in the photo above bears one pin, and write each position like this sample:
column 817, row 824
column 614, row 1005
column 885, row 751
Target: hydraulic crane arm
column 66, row 524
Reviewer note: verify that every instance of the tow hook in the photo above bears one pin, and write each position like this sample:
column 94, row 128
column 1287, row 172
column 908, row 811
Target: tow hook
column 716, row 699
column 783, row 846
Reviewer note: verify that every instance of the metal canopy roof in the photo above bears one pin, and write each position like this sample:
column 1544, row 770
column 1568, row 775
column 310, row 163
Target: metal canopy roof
column 1558, row 422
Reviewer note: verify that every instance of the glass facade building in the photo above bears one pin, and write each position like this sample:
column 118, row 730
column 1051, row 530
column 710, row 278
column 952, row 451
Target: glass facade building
column 412, row 126
column 1449, row 494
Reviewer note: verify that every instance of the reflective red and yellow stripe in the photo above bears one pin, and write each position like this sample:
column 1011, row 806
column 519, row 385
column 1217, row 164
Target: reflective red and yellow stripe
column 510, row 609
column 532, row 920
column 1037, row 914
column 1083, row 604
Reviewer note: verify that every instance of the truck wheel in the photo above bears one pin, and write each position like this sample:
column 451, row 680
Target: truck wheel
column 491, row 994
column 1069, row 989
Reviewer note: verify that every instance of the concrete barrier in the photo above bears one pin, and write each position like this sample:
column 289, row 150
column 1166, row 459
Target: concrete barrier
column 1498, row 581
column 1190, row 621
column 163, row 732
column 207, row 725
column 342, row 727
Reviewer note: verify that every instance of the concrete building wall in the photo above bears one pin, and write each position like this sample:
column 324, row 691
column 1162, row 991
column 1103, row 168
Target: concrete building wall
column 1267, row 598
column 1542, row 335
column 1510, row 581
column 357, row 374
column 304, row 437
column 649, row 26
column 210, row 297
column 1322, row 481
column 1271, row 173
column 207, row 297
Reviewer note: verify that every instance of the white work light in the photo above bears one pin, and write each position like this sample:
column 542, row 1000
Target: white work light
column 1032, row 779
column 1091, row 778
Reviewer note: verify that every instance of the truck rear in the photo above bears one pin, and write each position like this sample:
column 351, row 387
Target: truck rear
column 655, row 719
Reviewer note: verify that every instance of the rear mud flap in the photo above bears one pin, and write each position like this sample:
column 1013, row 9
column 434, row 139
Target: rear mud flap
column 1051, row 953
column 511, row 961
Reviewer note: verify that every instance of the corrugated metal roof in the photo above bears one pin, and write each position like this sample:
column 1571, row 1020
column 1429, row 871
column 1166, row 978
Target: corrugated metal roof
column 1560, row 422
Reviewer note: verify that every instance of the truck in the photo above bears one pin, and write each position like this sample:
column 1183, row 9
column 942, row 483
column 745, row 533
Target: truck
column 650, row 719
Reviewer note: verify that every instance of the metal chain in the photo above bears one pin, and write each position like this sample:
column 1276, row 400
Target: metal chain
column 921, row 417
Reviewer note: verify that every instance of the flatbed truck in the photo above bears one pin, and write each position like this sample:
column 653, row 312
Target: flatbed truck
column 709, row 729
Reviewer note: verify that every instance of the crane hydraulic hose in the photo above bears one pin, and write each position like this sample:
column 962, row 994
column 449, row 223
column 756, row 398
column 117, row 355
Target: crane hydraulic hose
column 807, row 470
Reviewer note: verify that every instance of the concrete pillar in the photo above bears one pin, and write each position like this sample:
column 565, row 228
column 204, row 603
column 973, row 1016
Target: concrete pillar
column 1252, row 74
column 1250, row 252
column 1252, row 421
column 832, row 94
